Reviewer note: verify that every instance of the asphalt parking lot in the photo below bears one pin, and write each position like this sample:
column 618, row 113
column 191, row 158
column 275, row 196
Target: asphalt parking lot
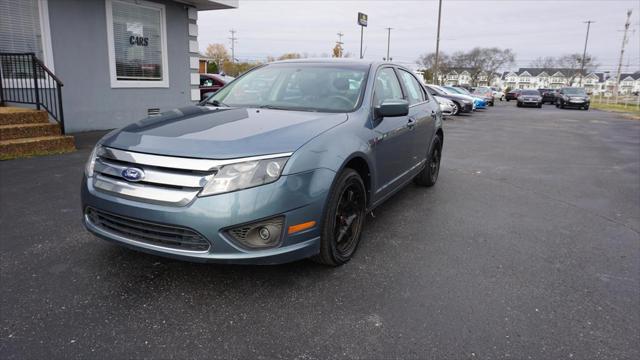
column 528, row 247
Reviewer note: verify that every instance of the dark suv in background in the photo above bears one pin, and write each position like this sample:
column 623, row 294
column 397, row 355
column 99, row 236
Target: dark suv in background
column 548, row 95
column 572, row 97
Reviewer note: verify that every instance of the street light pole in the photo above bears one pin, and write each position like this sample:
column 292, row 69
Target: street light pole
column 361, row 39
column 584, row 52
column 435, row 67
column 388, row 42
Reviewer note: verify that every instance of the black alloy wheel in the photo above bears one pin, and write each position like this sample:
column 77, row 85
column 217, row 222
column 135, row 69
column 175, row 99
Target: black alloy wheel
column 343, row 220
column 429, row 175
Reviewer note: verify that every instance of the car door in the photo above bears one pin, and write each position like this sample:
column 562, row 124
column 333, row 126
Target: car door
column 421, row 113
column 393, row 150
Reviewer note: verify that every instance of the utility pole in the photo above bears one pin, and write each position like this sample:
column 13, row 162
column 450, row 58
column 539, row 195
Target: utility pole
column 624, row 42
column 233, row 39
column 388, row 43
column 339, row 42
column 435, row 67
column 584, row 52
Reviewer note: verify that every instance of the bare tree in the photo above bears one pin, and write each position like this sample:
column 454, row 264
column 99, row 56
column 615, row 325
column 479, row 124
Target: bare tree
column 427, row 63
column 546, row 62
column 337, row 51
column 480, row 61
column 218, row 53
column 572, row 62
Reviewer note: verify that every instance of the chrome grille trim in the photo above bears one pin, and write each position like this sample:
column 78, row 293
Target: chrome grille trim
column 155, row 175
column 179, row 162
column 145, row 232
column 147, row 193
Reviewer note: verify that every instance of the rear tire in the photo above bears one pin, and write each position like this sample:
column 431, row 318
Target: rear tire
column 429, row 175
column 343, row 219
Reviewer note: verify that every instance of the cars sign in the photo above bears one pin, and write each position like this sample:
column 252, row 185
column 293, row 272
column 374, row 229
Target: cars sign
column 362, row 19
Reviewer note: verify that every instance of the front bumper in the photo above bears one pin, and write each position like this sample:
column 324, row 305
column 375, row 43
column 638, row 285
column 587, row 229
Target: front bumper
column 576, row 103
column 298, row 197
column 466, row 107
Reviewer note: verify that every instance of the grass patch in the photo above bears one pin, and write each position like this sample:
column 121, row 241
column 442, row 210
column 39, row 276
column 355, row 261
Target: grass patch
column 632, row 110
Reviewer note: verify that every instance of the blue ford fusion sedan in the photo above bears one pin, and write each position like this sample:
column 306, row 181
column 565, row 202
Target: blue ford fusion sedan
column 282, row 163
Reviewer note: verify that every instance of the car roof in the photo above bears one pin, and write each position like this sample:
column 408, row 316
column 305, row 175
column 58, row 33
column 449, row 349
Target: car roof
column 343, row 61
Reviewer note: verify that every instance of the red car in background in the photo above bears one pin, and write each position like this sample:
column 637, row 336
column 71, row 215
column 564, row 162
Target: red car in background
column 210, row 83
column 513, row 94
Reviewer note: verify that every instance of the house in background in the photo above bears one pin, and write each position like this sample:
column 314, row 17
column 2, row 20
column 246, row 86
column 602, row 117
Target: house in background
column 119, row 60
column 464, row 77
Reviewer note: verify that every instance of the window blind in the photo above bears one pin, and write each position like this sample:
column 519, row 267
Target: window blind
column 137, row 42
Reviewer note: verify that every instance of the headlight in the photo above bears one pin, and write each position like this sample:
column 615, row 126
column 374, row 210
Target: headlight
column 91, row 162
column 244, row 175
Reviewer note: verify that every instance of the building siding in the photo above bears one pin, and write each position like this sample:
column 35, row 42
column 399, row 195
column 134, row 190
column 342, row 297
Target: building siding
column 80, row 52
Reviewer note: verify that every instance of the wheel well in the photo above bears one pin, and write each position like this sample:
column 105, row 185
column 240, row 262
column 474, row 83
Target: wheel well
column 440, row 134
column 362, row 168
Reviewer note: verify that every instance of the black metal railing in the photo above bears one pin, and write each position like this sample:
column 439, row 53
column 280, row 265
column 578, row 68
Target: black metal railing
column 25, row 79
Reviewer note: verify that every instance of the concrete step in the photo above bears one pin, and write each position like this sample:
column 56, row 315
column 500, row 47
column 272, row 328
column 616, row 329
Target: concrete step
column 13, row 115
column 20, row 131
column 43, row 145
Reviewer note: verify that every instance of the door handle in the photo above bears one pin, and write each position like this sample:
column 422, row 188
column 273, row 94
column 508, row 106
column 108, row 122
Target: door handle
column 411, row 123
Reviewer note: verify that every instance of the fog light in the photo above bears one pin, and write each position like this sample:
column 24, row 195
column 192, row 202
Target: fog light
column 261, row 234
column 264, row 233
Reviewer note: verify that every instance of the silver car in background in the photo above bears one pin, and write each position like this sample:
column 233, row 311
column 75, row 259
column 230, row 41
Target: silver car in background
column 447, row 106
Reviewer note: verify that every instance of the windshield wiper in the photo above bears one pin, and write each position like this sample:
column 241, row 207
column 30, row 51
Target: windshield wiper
column 218, row 103
column 292, row 108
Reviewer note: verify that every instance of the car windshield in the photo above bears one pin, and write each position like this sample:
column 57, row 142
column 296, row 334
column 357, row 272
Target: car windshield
column 574, row 91
column 451, row 90
column 296, row 86
column 437, row 90
column 530, row 92
column 482, row 90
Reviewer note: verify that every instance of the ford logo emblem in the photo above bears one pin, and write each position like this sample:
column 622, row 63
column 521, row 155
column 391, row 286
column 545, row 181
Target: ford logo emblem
column 132, row 174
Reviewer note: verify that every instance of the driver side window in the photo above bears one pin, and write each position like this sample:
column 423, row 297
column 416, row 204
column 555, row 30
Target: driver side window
column 387, row 87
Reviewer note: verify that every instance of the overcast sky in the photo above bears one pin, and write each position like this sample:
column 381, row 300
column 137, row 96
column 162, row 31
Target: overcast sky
column 529, row 28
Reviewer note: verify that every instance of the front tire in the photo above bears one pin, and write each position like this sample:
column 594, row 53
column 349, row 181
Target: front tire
column 456, row 109
column 519, row 104
column 429, row 175
column 343, row 219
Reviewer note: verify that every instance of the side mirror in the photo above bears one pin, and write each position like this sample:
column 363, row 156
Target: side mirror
column 392, row 108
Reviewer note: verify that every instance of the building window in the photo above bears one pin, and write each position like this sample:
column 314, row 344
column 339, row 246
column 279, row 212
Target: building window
column 24, row 28
column 137, row 44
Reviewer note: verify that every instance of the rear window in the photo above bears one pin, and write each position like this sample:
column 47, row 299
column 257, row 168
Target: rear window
column 530, row 92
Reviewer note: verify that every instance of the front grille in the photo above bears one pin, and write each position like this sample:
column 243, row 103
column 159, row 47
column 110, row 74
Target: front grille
column 164, row 180
column 148, row 232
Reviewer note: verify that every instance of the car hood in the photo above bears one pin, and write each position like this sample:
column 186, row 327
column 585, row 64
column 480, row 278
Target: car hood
column 222, row 133
column 458, row 97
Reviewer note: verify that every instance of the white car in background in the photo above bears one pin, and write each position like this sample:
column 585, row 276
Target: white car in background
column 447, row 106
column 497, row 93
